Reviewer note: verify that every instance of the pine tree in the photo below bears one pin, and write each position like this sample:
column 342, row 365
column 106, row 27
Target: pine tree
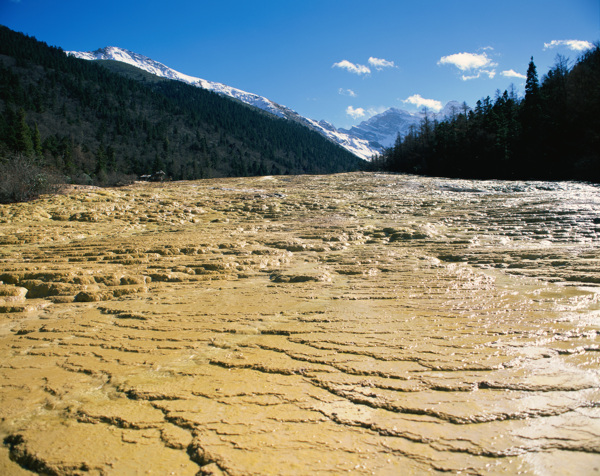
column 37, row 141
column 100, row 160
column 111, row 159
column 23, row 140
column 531, row 120
column 532, row 85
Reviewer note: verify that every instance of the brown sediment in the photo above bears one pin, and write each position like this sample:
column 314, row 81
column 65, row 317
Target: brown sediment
column 358, row 323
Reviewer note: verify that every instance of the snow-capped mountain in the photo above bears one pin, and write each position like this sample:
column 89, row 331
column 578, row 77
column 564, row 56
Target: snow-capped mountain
column 383, row 129
column 365, row 140
column 452, row 108
column 357, row 146
column 159, row 69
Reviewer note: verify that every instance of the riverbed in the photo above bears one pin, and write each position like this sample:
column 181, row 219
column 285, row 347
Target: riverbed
column 356, row 323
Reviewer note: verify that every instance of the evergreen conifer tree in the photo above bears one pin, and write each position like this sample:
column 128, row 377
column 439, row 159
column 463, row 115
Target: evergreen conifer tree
column 532, row 85
column 531, row 120
column 37, row 141
column 23, row 141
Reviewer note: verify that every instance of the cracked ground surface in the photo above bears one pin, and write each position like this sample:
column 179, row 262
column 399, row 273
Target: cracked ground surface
column 361, row 323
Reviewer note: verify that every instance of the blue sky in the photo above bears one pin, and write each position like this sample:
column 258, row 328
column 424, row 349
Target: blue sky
column 341, row 61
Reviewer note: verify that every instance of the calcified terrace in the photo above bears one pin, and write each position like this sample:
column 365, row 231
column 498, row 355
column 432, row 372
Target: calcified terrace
column 360, row 323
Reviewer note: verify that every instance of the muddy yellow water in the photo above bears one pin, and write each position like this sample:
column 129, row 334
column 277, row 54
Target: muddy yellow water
column 358, row 323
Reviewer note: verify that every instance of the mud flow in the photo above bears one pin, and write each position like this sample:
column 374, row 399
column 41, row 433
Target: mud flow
column 356, row 323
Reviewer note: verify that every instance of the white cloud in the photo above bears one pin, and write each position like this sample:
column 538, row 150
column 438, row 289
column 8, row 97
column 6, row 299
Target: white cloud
column 379, row 63
column 511, row 73
column 347, row 92
column 467, row 61
column 477, row 64
column 482, row 72
column 355, row 113
column 419, row 101
column 351, row 67
column 575, row 45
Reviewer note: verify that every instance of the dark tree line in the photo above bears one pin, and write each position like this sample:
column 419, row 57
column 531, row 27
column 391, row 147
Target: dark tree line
column 552, row 133
column 94, row 122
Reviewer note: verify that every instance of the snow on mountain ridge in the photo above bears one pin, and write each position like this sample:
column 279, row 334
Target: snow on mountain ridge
column 158, row 69
column 365, row 140
column 382, row 129
column 134, row 59
column 357, row 146
column 452, row 108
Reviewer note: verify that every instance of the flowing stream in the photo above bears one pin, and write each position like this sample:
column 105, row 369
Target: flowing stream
column 357, row 323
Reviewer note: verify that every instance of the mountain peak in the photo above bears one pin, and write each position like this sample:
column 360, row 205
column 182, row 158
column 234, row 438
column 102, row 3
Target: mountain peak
column 382, row 129
column 135, row 59
column 364, row 140
column 355, row 145
column 452, row 108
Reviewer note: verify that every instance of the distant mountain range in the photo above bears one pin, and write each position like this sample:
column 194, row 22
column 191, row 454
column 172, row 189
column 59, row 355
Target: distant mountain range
column 364, row 140
column 383, row 129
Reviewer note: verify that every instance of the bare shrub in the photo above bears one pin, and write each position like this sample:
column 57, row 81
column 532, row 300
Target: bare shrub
column 21, row 179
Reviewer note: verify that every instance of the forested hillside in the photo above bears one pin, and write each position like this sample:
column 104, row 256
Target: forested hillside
column 95, row 125
column 552, row 133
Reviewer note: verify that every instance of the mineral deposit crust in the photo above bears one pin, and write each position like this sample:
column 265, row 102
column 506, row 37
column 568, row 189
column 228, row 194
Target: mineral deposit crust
column 358, row 323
